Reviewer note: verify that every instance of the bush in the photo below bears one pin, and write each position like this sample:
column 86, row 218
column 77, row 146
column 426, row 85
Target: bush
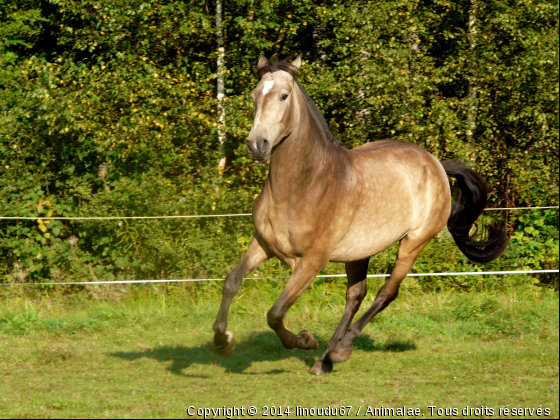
column 109, row 108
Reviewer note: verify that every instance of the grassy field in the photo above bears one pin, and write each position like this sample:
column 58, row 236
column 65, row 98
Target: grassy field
column 145, row 352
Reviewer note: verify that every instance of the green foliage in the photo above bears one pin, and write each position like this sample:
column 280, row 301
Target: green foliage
column 109, row 108
column 536, row 243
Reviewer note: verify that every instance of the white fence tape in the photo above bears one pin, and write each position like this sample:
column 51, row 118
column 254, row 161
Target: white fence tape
column 464, row 273
column 520, row 208
column 201, row 215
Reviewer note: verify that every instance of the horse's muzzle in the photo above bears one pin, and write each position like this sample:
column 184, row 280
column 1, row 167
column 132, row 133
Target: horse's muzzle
column 259, row 150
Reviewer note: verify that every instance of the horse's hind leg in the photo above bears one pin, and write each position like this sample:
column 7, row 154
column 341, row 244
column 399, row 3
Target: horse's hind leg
column 409, row 249
column 255, row 256
column 302, row 276
column 355, row 293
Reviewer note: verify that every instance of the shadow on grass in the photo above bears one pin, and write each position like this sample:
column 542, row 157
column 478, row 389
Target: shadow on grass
column 366, row 343
column 260, row 347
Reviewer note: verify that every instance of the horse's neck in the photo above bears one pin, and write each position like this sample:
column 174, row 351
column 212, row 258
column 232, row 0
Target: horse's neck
column 302, row 157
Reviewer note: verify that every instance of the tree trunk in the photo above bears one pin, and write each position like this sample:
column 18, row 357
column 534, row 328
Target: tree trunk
column 221, row 96
column 472, row 93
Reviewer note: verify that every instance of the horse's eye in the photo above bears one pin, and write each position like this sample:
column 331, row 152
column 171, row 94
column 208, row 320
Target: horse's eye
column 284, row 97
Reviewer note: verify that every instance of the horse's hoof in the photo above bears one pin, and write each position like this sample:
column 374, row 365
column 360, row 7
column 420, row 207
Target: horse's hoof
column 224, row 344
column 306, row 341
column 321, row 368
column 340, row 354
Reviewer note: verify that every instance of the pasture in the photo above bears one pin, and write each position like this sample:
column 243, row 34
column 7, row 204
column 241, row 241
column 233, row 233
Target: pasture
column 146, row 352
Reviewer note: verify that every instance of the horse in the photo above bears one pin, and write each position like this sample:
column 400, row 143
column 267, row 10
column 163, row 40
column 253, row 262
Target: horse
column 322, row 202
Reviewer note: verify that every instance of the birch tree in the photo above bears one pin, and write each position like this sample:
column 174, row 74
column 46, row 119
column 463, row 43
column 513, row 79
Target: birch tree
column 220, row 77
column 472, row 93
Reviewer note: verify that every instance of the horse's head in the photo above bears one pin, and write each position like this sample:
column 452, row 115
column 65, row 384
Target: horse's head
column 275, row 113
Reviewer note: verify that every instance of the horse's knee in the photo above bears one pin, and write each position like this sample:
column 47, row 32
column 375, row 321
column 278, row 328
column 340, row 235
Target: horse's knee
column 230, row 286
column 229, row 291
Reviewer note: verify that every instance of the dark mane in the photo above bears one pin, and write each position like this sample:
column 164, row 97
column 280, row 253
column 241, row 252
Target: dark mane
column 275, row 65
column 315, row 113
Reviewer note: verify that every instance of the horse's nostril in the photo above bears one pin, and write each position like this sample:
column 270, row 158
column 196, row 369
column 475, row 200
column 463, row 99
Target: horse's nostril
column 257, row 147
column 262, row 145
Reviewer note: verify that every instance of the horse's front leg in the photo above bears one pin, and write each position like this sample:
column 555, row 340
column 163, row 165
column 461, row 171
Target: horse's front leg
column 303, row 274
column 224, row 343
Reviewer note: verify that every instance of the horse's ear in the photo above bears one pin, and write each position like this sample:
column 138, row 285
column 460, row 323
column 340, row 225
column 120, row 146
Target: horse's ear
column 262, row 62
column 297, row 62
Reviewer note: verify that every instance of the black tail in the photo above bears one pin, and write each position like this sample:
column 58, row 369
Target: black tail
column 469, row 203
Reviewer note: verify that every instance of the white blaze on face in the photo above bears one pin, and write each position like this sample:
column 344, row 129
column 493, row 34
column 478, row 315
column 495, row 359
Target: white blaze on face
column 268, row 85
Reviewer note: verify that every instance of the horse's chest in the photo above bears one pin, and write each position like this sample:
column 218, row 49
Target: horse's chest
column 291, row 228
column 277, row 235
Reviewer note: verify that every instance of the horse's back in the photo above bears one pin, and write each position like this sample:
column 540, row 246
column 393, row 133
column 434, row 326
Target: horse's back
column 396, row 188
column 391, row 148
column 390, row 161
column 399, row 159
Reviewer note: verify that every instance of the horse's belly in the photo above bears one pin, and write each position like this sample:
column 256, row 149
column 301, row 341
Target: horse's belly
column 363, row 243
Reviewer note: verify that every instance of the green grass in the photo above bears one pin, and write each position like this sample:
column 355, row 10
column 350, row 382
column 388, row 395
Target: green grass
column 146, row 353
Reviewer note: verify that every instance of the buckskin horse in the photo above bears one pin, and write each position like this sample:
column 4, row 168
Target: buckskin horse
column 322, row 202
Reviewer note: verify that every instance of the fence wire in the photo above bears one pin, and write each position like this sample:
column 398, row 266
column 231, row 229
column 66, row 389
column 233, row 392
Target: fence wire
column 195, row 216
column 464, row 273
